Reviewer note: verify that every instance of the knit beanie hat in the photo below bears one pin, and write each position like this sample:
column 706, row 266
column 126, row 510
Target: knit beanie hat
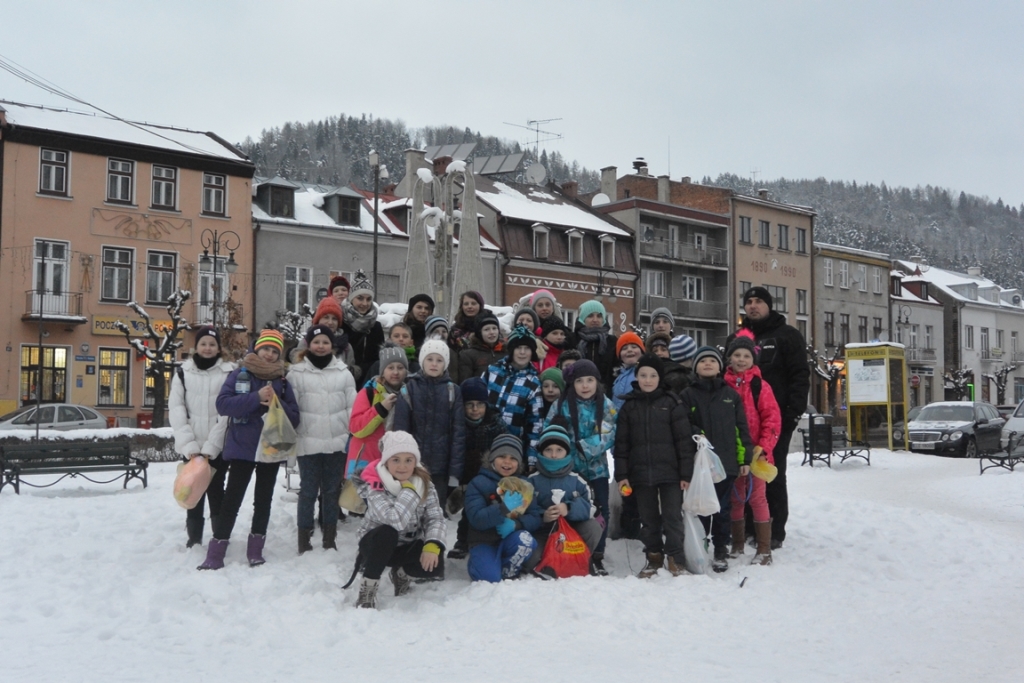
column 434, row 322
column 338, row 281
column 484, row 319
column 554, row 434
column 328, row 305
column 435, row 346
column 314, row 330
column 682, row 348
column 421, row 298
column 582, row 368
column 360, row 285
column 629, row 338
column 392, row 353
column 520, row 336
column 207, row 331
column 532, row 313
column 663, row 312
column 505, row 444
column 761, row 293
column 649, row 360
column 658, row 339
column 555, row 375
column 393, row 443
column 268, row 337
column 588, row 307
column 741, row 342
column 549, row 325
column 474, row 389
column 707, row 352
column 542, row 294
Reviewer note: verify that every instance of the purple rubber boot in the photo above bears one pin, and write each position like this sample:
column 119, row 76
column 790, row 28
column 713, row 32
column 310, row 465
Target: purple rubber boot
column 254, row 551
column 214, row 555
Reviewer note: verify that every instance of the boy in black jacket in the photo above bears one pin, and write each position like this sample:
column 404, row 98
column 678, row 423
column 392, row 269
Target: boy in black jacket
column 716, row 411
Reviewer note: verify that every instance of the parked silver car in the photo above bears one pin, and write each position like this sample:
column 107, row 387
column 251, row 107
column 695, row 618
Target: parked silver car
column 1014, row 425
column 63, row 416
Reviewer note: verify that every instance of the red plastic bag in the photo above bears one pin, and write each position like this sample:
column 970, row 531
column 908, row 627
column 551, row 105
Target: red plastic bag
column 565, row 552
column 192, row 481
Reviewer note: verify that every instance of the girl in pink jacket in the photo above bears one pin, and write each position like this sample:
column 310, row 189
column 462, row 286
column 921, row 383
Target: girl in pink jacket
column 765, row 422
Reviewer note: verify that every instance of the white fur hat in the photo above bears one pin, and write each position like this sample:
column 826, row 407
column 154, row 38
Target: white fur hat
column 435, row 346
column 393, row 443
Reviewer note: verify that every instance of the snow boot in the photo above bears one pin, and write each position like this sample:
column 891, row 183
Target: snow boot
column 459, row 551
column 655, row 561
column 400, row 580
column 738, row 537
column 597, row 565
column 305, row 536
column 254, row 550
column 367, row 594
column 763, row 531
column 194, row 527
column 330, row 534
column 214, row 555
column 675, row 568
column 721, row 561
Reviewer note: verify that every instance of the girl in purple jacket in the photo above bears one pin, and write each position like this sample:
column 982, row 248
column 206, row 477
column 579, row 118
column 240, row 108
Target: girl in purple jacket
column 244, row 400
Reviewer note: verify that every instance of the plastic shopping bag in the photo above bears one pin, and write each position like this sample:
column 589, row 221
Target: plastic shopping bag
column 565, row 552
column 192, row 481
column 695, row 549
column 717, row 468
column 762, row 469
column 701, row 498
column 350, row 499
column 278, row 438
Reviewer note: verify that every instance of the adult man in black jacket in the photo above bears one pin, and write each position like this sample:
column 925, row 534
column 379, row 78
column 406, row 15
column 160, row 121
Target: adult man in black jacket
column 782, row 357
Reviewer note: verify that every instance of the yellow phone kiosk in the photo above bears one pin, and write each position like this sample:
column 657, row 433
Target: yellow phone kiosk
column 876, row 395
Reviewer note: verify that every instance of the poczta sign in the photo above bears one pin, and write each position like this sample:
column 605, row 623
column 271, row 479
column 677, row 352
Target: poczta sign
column 105, row 325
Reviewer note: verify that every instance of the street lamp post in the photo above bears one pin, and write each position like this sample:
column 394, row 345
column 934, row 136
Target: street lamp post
column 212, row 239
column 379, row 171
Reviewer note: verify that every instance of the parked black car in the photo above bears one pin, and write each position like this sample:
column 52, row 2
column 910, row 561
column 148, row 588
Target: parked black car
column 957, row 427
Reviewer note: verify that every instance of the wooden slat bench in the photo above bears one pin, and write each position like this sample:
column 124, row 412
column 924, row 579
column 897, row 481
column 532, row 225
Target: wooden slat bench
column 69, row 459
column 817, row 450
column 1006, row 460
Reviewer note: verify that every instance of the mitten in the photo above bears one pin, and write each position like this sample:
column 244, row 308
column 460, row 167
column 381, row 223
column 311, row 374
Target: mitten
column 512, row 499
column 408, row 485
column 506, row 527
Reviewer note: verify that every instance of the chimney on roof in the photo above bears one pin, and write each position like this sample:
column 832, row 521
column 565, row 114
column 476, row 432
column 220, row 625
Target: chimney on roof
column 686, row 180
column 974, row 271
column 663, row 189
column 415, row 159
column 570, row 188
column 763, row 194
column 640, row 166
column 609, row 182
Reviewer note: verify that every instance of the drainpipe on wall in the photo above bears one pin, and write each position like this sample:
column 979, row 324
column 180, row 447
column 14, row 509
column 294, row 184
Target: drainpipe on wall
column 255, row 242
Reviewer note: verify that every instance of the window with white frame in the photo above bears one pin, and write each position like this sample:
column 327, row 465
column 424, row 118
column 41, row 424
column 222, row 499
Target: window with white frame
column 161, row 272
column 862, row 277
column 119, row 180
column 968, row 336
column 765, row 234
column 53, row 171
column 914, row 329
column 1013, row 344
column 700, row 241
column 745, row 235
column 801, row 240
column 778, row 298
column 844, row 275
column 569, row 317
column 298, row 287
column 117, row 274
column 575, row 247
column 827, row 271
column 692, row 287
column 783, row 237
column 607, row 252
column 929, row 331
column 540, row 241
column 114, row 387
column 214, row 185
column 149, row 397
column 744, row 286
column 984, row 341
column 673, row 236
column 165, row 187
column 876, row 276
column 801, row 302
column 699, row 336
column 655, row 282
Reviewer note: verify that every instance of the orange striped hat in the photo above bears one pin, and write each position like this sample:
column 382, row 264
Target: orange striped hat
column 270, row 337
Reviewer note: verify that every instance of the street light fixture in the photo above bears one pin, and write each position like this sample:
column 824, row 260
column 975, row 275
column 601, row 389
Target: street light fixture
column 212, row 239
column 601, row 285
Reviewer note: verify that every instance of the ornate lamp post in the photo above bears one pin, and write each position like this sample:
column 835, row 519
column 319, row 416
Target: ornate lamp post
column 215, row 241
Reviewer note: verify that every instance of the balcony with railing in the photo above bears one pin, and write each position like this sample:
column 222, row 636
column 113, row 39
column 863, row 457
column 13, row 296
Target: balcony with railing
column 63, row 307
column 684, row 251
column 688, row 308
column 991, row 355
column 918, row 355
column 227, row 312
column 1017, row 356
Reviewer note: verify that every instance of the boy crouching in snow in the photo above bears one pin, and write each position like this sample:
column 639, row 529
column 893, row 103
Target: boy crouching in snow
column 404, row 526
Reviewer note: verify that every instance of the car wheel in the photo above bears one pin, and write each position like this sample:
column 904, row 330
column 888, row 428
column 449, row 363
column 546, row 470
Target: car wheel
column 971, row 448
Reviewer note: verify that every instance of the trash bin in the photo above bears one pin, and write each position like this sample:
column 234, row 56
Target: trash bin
column 143, row 420
column 820, row 434
column 111, row 422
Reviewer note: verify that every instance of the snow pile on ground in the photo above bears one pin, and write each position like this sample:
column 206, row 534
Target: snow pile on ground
column 905, row 570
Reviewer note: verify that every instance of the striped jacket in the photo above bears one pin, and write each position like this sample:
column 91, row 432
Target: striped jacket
column 516, row 396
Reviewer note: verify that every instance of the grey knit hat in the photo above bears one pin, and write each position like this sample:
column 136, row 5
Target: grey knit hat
column 505, row 444
column 360, row 285
column 392, row 353
column 707, row 352
column 663, row 313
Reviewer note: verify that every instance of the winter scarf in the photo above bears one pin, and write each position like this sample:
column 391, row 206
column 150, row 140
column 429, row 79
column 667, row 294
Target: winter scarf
column 360, row 322
column 319, row 362
column 377, row 476
column 593, row 335
column 555, row 468
column 261, row 369
column 205, row 363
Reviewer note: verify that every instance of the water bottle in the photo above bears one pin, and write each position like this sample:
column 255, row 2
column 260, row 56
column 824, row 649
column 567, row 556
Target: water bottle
column 242, row 386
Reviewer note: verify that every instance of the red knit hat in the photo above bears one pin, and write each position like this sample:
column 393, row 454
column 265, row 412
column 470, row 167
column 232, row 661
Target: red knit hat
column 629, row 338
column 328, row 305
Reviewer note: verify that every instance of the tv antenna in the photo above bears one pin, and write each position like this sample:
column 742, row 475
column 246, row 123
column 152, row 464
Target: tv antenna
column 535, row 127
column 754, row 172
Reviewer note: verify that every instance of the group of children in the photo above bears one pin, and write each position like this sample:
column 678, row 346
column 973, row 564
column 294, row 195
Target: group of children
column 520, row 442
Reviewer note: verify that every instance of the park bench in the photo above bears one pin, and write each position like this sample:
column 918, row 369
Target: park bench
column 1005, row 459
column 822, row 443
column 69, row 459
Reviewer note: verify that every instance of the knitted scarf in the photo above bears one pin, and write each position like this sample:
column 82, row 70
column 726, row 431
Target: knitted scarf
column 593, row 335
column 360, row 322
column 261, row 369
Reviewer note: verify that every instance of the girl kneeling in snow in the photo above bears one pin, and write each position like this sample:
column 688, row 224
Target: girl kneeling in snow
column 404, row 526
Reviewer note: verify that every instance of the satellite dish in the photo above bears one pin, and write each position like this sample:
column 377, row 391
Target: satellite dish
column 649, row 234
column 883, row 336
column 1016, row 299
column 599, row 199
column 536, row 174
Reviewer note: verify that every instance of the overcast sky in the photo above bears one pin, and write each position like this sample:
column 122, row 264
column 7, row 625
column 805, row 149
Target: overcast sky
column 912, row 93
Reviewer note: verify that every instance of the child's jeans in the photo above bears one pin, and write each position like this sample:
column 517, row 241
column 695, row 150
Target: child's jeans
column 319, row 473
column 600, row 488
column 502, row 560
column 758, row 503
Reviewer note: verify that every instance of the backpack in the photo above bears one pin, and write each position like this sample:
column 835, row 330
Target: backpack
column 755, row 390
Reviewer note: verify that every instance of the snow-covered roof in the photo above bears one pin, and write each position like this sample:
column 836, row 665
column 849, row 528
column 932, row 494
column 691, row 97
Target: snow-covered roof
column 909, row 297
column 536, row 204
column 852, row 250
column 974, row 289
column 103, row 127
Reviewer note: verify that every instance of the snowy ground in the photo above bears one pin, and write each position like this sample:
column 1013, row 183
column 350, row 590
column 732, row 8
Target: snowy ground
column 908, row 570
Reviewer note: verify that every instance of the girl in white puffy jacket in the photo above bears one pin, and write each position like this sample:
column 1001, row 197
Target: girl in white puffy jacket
column 325, row 391
column 198, row 429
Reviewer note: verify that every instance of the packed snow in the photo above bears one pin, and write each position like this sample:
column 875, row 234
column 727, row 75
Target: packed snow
column 905, row 570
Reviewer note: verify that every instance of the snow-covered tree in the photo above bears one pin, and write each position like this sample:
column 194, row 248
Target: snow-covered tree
column 959, row 379
column 1000, row 378
column 829, row 370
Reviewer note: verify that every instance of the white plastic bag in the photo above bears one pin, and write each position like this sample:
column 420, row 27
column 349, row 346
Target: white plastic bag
column 695, row 549
column 717, row 468
column 701, row 498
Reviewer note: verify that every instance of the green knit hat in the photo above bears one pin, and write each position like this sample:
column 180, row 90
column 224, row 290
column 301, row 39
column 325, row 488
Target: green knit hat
column 555, row 375
column 588, row 307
